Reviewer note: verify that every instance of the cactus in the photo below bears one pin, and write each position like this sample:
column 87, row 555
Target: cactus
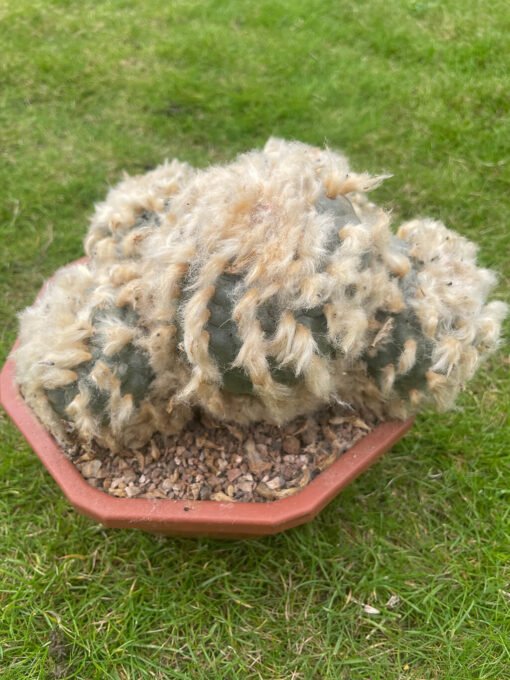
column 257, row 290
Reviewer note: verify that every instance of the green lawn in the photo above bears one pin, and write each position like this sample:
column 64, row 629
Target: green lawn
column 419, row 88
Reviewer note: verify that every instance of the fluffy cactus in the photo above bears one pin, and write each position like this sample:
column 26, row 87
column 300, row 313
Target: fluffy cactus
column 257, row 290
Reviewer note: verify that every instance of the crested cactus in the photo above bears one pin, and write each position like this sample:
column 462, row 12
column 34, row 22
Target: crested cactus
column 257, row 290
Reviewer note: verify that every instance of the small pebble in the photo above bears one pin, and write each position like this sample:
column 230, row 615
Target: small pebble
column 233, row 474
column 291, row 445
column 274, row 483
column 91, row 468
column 205, row 492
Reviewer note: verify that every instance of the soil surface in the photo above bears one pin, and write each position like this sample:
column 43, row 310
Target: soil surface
column 212, row 460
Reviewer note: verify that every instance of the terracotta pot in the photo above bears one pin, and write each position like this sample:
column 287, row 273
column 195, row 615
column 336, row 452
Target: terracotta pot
column 194, row 518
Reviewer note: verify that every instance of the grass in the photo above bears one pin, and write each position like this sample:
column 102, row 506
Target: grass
column 419, row 88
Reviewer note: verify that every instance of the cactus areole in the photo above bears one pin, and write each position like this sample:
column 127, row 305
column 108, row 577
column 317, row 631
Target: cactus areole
column 261, row 289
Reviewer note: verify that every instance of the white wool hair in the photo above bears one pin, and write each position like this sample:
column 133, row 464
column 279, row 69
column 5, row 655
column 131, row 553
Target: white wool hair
column 157, row 247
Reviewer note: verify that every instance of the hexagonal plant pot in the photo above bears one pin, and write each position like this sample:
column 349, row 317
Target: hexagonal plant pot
column 186, row 517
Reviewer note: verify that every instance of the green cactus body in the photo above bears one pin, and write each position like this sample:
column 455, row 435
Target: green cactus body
column 130, row 365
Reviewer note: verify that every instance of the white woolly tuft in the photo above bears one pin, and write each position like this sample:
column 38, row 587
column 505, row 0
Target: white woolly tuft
column 161, row 245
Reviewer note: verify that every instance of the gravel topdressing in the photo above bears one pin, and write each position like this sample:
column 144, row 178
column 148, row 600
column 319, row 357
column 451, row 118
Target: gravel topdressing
column 211, row 460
